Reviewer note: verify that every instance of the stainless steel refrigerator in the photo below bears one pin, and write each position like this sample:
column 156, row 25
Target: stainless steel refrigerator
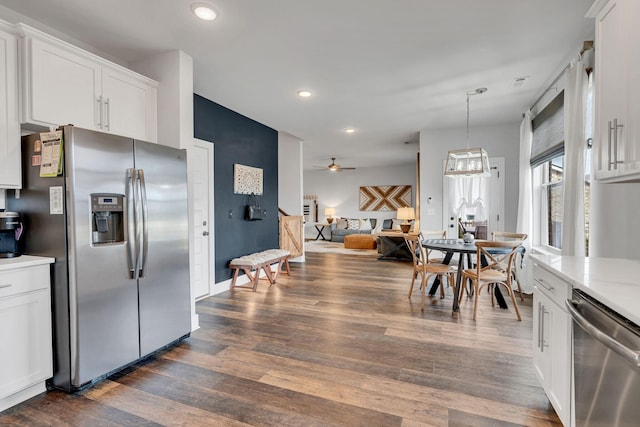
column 116, row 221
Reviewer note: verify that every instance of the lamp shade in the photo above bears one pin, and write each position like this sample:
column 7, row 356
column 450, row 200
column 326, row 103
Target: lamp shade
column 329, row 211
column 406, row 213
column 467, row 162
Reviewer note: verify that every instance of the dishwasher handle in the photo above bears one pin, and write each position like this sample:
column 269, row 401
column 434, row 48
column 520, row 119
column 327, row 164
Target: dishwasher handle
column 629, row 355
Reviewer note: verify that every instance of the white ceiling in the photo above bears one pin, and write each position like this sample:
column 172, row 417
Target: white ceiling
column 387, row 69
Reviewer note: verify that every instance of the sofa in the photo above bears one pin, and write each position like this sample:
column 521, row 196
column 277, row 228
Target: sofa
column 339, row 227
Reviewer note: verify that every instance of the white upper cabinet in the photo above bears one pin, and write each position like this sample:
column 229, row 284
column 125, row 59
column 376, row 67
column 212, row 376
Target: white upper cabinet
column 60, row 87
column 129, row 105
column 63, row 84
column 617, row 122
column 10, row 170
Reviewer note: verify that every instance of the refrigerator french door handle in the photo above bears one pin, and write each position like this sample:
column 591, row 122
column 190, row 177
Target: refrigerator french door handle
column 132, row 244
column 145, row 217
column 139, row 226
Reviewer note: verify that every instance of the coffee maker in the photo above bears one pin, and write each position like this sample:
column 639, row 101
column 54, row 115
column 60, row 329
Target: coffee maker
column 11, row 229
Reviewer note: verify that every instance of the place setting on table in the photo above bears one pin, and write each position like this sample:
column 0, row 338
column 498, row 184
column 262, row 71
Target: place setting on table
column 466, row 247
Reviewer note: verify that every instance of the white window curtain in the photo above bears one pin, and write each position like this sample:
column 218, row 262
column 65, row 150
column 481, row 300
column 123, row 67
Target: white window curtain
column 575, row 96
column 524, row 222
column 470, row 197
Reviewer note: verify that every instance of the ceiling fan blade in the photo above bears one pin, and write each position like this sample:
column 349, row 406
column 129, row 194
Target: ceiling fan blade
column 334, row 167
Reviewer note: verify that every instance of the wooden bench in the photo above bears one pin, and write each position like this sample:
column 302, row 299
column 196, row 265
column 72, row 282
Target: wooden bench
column 252, row 264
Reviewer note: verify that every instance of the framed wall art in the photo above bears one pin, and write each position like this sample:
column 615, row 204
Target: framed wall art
column 385, row 197
column 247, row 179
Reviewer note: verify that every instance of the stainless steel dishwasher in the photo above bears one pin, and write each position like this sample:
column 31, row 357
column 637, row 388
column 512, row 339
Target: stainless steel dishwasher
column 606, row 360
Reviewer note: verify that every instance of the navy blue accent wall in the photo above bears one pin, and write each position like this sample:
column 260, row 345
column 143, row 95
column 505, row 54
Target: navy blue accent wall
column 238, row 139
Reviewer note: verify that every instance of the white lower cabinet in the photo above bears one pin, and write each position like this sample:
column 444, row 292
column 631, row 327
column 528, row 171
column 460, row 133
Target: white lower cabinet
column 25, row 332
column 552, row 339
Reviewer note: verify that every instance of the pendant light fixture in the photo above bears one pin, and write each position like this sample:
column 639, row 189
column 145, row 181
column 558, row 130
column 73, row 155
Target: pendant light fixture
column 468, row 161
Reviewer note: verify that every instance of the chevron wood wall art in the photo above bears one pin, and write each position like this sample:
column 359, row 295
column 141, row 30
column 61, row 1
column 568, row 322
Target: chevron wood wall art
column 385, row 197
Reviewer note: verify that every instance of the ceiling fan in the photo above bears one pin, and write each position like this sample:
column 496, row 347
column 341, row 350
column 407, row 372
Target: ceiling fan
column 334, row 167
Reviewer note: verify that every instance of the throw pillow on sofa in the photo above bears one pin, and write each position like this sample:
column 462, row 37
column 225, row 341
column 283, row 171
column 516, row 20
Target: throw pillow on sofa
column 396, row 224
column 378, row 228
column 365, row 224
column 342, row 223
column 353, row 224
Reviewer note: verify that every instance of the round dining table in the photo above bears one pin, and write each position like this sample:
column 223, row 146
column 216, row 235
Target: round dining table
column 457, row 246
column 450, row 247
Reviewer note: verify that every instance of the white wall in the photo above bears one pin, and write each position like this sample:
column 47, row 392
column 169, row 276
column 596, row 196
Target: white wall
column 342, row 190
column 290, row 176
column 498, row 141
column 174, row 72
column 615, row 229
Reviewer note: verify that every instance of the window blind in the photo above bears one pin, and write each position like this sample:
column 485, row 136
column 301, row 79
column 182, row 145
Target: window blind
column 548, row 132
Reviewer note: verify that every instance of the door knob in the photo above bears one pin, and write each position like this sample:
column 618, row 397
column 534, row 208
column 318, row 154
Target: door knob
column 205, row 233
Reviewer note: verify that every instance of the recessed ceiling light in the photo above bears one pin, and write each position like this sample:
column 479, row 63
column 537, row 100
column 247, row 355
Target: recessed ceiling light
column 204, row 11
column 349, row 130
column 304, row 93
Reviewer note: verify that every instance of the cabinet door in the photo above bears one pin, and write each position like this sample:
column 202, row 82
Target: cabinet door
column 558, row 338
column 64, row 87
column 25, row 330
column 10, row 176
column 129, row 105
column 611, row 89
column 632, row 148
column 541, row 353
column 552, row 352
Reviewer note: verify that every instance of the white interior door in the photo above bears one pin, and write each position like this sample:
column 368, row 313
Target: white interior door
column 201, row 167
column 493, row 200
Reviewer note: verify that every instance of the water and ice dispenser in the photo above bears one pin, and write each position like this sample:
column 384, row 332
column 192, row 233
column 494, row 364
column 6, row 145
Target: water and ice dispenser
column 107, row 218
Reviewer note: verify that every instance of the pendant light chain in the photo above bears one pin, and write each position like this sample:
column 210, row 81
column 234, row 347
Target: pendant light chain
column 467, row 119
column 468, row 162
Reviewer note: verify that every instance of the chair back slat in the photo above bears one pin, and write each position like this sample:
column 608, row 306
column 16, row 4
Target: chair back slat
column 498, row 254
column 507, row 236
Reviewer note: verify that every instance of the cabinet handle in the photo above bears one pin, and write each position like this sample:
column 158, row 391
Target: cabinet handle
column 108, row 108
column 98, row 114
column 609, row 162
column 5, row 286
column 542, row 343
column 539, row 324
column 541, row 283
column 616, row 162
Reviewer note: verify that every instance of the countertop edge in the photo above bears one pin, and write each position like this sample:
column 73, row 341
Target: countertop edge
column 611, row 281
column 24, row 261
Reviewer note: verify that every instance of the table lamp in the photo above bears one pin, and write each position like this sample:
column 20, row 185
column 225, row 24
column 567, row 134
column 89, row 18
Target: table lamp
column 329, row 212
column 407, row 214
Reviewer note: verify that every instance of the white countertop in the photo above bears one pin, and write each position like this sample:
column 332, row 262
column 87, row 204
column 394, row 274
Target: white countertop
column 612, row 281
column 23, row 261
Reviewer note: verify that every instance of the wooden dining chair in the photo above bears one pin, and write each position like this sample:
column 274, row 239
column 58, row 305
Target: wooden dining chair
column 434, row 254
column 497, row 271
column 425, row 269
column 504, row 236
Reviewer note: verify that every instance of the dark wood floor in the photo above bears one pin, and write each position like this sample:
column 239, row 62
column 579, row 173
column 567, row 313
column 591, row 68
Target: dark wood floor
column 337, row 343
